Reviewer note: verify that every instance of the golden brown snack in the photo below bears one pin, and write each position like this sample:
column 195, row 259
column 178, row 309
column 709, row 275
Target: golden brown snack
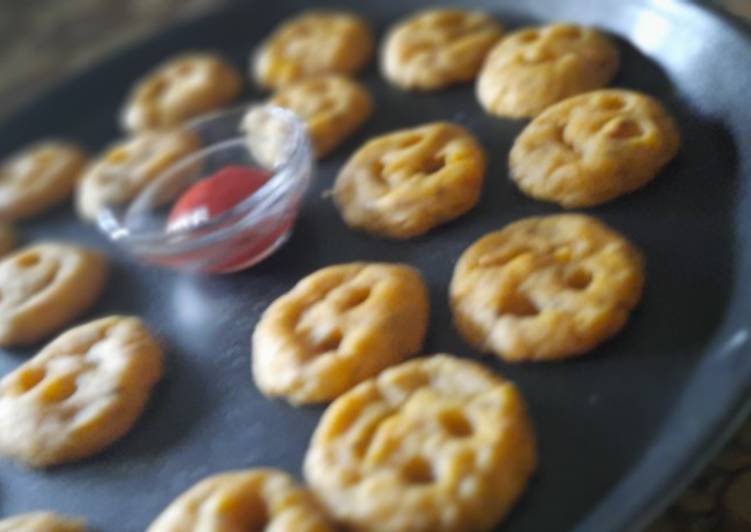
column 338, row 327
column 237, row 501
column 536, row 67
column 593, row 147
column 37, row 178
column 332, row 107
column 181, row 88
column 41, row 522
column 404, row 183
column 128, row 166
column 545, row 288
column 313, row 43
column 80, row 393
column 45, row 286
column 438, row 47
column 434, row 444
column 7, row 239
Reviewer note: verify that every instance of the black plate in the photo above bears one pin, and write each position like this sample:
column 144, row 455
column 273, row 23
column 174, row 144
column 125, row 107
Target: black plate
column 620, row 431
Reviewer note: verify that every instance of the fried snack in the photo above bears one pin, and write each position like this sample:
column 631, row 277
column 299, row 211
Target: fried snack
column 332, row 107
column 80, row 393
column 435, row 48
column 45, row 286
column 272, row 136
column 37, row 178
column 7, row 239
column 434, row 444
column 128, row 166
column 313, row 43
column 338, row 327
column 594, row 147
column 183, row 87
column 254, row 499
column 536, row 67
column 41, row 522
column 546, row 288
column 404, row 183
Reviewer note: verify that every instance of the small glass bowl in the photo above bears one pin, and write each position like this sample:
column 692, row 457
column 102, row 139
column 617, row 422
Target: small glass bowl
column 274, row 141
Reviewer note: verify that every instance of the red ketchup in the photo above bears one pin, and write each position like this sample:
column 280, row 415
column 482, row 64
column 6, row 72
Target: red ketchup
column 214, row 195
column 218, row 193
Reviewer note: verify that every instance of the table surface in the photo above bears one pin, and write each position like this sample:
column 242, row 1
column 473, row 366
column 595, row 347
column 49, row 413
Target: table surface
column 42, row 41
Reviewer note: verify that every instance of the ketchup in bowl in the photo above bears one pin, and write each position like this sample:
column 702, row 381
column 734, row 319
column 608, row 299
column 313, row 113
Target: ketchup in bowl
column 218, row 193
column 214, row 195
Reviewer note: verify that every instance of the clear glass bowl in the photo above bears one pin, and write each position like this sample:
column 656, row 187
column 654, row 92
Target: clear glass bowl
column 274, row 141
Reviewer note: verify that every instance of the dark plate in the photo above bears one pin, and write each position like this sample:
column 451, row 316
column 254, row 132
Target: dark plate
column 620, row 431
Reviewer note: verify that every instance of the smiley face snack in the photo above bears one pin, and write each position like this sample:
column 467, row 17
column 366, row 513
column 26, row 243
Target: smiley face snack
column 38, row 178
column 433, row 444
column 404, row 183
column 332, row 108
column 533, row 68
column 545, row 288
column 594, row 147
column 436, row 48
column 45, row 286
column 337, row 327
column 181, row 88
column 253, row 499
column 313, row 43
column 41, row 522
column 80, row 393
column 128, row 166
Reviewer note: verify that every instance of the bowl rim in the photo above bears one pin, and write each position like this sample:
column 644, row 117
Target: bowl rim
column 292, row 173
